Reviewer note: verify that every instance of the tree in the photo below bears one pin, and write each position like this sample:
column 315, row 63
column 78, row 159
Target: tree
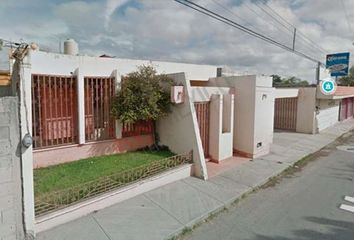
column 276, row 80
column 288, row 82
column 144, row 96
column 347, row 80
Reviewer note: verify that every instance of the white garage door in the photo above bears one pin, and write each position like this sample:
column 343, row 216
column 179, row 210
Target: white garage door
column 328, row 114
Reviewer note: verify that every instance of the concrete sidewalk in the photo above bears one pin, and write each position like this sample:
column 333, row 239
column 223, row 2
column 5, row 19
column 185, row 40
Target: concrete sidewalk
column 164, row 212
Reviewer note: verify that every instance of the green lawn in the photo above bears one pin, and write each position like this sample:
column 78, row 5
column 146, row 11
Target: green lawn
column 70, row 174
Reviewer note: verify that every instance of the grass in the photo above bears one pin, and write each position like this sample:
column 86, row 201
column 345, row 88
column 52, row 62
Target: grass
column 66, row 175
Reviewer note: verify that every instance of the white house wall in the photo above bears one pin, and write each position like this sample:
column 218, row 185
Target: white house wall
column 203, row 94
column 60, row 64
column 220, row 141
column 251, row 108
column 286, row 92
column 244, row 109
column 179, row 130
column 328, row 113
column 306, row 111
column 264, row 121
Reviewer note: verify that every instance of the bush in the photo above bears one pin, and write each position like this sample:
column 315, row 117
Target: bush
column 144, row 95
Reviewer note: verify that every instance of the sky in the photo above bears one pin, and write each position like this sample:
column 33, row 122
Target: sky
column 165, row 30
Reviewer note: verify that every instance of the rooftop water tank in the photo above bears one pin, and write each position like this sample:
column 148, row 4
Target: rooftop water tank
column 71, row 47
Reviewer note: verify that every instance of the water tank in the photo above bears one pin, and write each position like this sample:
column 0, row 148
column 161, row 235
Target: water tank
column 71, row 47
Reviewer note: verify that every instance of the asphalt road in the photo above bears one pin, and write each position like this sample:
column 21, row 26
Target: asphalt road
column 302, row 206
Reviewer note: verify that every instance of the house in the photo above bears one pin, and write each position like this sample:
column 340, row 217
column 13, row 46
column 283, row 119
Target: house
column 65, row 102
column 68, row 99
column 308, row 110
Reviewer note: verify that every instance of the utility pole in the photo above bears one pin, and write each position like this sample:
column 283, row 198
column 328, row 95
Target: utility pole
column 294, row 39
column 318, row 73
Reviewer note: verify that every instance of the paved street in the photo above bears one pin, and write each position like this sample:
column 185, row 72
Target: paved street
column 303, row 206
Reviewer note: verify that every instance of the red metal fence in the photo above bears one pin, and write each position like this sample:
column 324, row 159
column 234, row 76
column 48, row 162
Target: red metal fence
column 203, row 114
column 346, row 108
column 99, row 123
column 137, row 129
column 285, row 114
column 54, row 110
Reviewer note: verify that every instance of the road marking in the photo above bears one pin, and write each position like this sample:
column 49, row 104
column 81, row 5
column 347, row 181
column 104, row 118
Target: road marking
column 349, row 199
column 347, row 208
column 347, row 148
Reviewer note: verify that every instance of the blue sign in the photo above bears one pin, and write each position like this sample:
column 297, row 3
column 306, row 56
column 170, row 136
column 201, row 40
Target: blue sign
column 328, row 87
column 338, row 64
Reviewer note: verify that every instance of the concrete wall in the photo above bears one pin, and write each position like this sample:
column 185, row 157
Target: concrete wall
column 63, row 154
column 244, row 109
column 221, row 119
column 22, row 75
column 306, row 111
column 254, row 112
column 179, row 130
column 221, row 127
column 51, row 63
column 203, row 94
column 227, row 128
column 264, row 121
column 328, row 113
column 286, row 92
column 11, row 226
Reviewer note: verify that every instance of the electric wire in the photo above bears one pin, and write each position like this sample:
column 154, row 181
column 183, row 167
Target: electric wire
column 292, row 25
column 309, row 48
column 229, row 22
column 347, row 17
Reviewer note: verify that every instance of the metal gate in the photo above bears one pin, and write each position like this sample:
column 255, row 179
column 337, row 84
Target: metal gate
column 350, row 103
column 202, row 110
column 54, row 110
column 99, row 123
column 285, row 114
column 346, row 109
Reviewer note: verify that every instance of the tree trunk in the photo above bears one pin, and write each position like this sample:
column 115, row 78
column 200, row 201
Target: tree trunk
column 155, row 135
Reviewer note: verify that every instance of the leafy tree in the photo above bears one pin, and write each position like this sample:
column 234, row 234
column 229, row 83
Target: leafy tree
column 347, row 80
column 276, row 80
column 288, row 82
column 144, row 95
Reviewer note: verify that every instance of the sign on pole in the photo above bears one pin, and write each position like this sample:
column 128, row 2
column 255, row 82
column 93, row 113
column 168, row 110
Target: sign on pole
column 328, row 86
column 338, row 64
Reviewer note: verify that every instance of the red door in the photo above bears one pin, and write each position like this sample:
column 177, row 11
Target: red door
column 343, row 110
column 285, row 114
column 350, row 107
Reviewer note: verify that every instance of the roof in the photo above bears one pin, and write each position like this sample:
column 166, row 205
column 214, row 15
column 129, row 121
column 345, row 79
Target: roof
column 341, row 92
column 344, row 91
column 5, row 78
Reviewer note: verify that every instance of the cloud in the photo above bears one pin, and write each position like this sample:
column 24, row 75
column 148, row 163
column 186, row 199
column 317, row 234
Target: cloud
column 111, row 6
column 166, row 30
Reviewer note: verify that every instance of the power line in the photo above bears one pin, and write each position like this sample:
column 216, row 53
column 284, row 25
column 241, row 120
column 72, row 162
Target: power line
column 253, row 26
column 290, row 30
column 249, row 7
column 277, row 20
column 234, row 14
column 347, row 17
column 229, row 22
column 292, row 25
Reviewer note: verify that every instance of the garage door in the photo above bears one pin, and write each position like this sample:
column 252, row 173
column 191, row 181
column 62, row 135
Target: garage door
column 285, row 113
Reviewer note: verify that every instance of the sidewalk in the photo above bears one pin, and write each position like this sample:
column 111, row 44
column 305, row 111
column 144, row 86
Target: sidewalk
column 163, row 212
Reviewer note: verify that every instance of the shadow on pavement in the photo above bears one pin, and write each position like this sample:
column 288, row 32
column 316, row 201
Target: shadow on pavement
column 334, row 230
column 346, row 173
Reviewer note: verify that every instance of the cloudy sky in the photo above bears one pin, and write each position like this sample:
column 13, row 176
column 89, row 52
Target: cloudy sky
column 166, row 30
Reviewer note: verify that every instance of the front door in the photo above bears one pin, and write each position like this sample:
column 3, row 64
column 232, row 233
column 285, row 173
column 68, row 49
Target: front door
column 203, row 113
